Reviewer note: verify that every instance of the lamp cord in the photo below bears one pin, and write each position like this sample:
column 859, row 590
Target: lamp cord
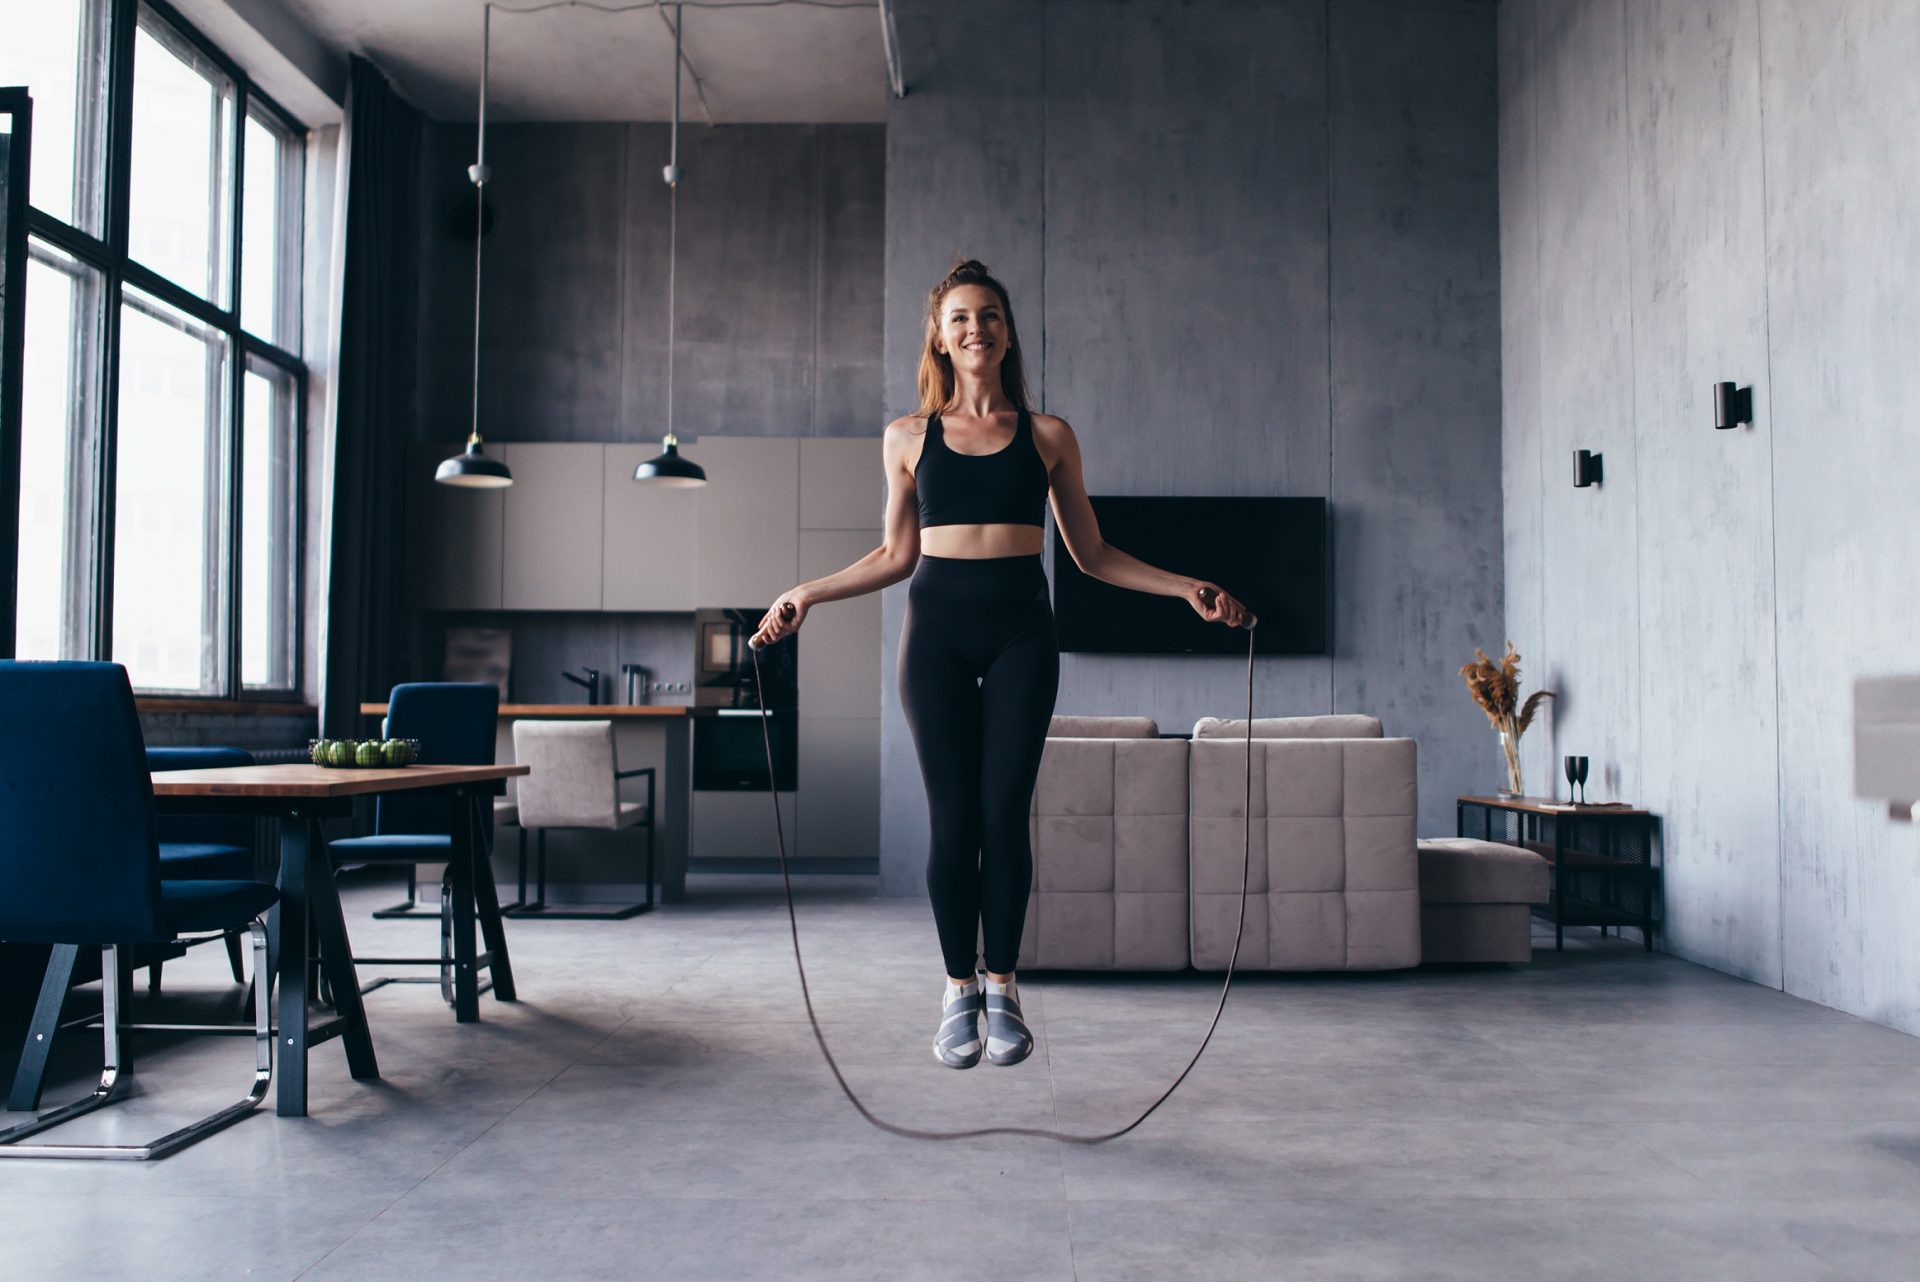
column 1065, row 1137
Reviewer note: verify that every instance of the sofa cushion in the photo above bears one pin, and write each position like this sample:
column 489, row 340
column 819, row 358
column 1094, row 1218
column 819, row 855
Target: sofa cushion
column 1071, row 727
column 1343, row 726
column 1466, row 870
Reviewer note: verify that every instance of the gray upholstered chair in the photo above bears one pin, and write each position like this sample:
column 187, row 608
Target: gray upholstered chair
column 1109, row 832
column 574, row 782
column 1334, row 882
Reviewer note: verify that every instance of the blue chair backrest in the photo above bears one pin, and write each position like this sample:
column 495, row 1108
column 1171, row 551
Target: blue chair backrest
column 224, row 830
column 455, row 722
column 78, row 859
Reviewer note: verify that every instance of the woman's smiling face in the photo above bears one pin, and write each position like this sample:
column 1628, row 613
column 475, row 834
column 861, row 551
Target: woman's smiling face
column 973, row 328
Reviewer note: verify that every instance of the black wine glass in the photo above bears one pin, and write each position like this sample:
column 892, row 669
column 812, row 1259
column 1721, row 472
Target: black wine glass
column 1576, row 768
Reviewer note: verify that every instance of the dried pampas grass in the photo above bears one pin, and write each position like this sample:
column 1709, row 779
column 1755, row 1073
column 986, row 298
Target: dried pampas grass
column 1496, row 688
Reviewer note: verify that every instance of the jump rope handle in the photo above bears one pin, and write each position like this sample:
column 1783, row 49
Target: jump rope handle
column 1207, row 595
column 755, row 643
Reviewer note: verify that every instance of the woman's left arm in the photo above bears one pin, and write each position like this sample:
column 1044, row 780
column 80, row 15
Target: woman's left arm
column 1080, row 531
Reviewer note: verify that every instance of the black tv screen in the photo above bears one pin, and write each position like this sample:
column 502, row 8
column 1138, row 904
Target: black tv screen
column 1271, row 553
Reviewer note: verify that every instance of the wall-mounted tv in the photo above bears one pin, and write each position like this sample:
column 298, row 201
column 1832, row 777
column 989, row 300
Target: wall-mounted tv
column 1271, row 553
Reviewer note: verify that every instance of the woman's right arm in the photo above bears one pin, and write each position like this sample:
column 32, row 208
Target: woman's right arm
column 887, row 564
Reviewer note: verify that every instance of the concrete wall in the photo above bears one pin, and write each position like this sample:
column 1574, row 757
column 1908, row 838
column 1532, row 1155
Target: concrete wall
column 1692, row 191
column 1252, row 249
column 778, row 293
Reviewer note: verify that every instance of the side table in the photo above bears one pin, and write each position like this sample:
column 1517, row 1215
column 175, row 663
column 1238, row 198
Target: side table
column 1602, row 857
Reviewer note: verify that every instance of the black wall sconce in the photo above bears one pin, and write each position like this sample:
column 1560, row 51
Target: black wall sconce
column 1586, row 469
column 1732, row 406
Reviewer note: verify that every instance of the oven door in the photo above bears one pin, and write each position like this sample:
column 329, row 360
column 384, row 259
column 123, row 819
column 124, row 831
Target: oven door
column 730, row 754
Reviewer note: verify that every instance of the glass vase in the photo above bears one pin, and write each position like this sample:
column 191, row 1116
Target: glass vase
column 1510, row 753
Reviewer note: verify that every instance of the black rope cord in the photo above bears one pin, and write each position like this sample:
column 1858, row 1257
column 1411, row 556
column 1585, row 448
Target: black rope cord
column 1064, row 1137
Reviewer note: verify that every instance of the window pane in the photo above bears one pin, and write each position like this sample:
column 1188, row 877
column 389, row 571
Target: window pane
column 182, row 135
column 168, row 504
column 267, row 534
column 57, row 49
column 59, row 405
column 269, row 236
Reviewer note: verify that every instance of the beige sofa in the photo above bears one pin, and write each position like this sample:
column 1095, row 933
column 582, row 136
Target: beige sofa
column 1334, row 883
column 1109, row 831
column 1137, row 847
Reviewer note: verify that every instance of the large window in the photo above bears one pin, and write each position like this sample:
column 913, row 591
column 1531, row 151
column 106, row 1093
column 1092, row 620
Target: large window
column 163, row 385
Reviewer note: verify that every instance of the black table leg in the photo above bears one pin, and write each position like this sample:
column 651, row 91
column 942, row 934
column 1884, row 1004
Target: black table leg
column 29, row 1077
column 296, row 838
column 336, row 960
column 1559, row 884
column 465, row 855
column 493, row 930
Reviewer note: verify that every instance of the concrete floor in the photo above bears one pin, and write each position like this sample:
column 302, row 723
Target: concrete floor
column 654, row 1107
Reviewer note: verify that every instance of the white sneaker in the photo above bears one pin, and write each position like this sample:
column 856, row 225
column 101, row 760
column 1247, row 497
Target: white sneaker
column 957, row 1044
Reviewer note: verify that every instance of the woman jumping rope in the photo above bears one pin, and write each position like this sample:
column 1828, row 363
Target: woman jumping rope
column 979, row 662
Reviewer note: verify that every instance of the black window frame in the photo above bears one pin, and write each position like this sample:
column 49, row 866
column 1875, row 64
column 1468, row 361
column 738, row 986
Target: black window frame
column 109, row 256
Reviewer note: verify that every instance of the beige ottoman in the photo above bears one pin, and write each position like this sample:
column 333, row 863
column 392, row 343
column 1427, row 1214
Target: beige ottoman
column 1476, row 898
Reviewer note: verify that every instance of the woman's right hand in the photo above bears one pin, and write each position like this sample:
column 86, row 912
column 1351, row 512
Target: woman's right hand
column 783, row 617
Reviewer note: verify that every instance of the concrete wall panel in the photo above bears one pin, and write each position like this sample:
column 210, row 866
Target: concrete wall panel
column 1415, row 377
column 1186, row 299
column 1589, row 650
column 1842, row 182
column 1521, row 482
column 1705, row 507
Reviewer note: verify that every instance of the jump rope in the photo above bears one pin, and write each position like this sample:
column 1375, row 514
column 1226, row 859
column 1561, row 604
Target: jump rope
column 914, row 1133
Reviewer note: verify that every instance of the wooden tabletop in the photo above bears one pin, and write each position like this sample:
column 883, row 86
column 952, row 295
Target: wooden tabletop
column 590, row 711
column 1549, row 806
column 319, row 781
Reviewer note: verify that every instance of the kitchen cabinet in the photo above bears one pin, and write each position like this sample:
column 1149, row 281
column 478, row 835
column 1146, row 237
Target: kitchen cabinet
column 839, row 644
column 739, row 825
column 647, row 558
column 745, row 552
column 453, row 535
column 551, row 542
column 838, row 787
column 843, row 483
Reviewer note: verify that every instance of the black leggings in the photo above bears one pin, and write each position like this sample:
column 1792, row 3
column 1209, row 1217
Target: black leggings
column 979, row 667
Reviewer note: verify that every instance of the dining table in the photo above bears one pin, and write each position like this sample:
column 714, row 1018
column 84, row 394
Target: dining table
column 301, row 797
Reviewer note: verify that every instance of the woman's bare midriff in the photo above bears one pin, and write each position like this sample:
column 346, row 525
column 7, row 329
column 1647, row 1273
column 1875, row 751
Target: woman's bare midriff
column 975, row 541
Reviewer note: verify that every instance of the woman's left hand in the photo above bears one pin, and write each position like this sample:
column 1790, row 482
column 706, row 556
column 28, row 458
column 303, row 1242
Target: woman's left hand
column 1212, row 603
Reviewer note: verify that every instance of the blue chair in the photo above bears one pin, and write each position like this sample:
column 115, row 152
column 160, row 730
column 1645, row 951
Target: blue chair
column 455, row 722
column 80, row 867
column 204, row 847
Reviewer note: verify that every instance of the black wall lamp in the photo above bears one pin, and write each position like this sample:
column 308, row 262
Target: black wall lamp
column 1732, row 406
column 1586, row 469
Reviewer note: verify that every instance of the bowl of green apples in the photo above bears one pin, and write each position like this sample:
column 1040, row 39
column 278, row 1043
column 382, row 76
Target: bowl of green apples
column 363, row 754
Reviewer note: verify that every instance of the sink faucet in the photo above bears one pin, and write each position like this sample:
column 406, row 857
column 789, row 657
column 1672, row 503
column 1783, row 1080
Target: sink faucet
column 590, row 682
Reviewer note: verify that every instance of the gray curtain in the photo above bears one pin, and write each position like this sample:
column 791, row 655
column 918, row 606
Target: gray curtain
column 365, row 646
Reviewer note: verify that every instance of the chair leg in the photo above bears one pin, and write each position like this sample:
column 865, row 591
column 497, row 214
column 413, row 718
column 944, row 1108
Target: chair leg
column 649, row 861
column 29, row 1076
column 233, row 957
column 153, row 976
column 110, row 985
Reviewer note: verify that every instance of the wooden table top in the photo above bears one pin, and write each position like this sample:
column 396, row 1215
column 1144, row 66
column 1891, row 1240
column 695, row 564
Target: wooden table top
column 297, row 780
column 1549, row 806
column 589, row 711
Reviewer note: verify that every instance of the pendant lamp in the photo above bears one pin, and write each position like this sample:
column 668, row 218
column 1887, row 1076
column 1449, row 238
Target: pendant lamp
column 669, row 469
column 474, row 469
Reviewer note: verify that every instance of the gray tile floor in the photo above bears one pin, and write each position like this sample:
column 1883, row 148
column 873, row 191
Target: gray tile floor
column 654, row 1107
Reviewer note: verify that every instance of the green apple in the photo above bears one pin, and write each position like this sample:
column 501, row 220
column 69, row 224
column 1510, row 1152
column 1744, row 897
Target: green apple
column 396, row 752
column 318, row 752
column 340, row 752
column 367, row 753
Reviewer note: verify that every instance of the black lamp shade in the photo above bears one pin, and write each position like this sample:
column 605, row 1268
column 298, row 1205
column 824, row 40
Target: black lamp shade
column 670, row 469
column 473, row 470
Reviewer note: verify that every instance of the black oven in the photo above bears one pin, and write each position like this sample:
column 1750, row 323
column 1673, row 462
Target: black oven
column 730, row 754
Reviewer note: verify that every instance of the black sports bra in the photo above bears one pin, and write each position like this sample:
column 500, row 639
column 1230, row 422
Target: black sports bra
column 1006, row 487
